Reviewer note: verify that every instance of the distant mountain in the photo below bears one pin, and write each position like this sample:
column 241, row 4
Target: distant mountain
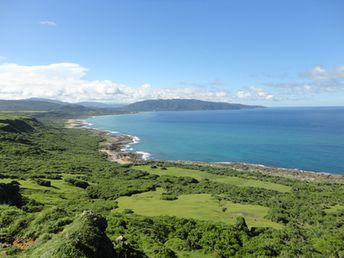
column 28, row 105
column 182, row 105
column 51, row 108
column 91, row 104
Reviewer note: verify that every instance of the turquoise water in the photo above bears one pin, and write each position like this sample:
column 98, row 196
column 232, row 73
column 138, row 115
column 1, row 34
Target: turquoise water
column 304, row 138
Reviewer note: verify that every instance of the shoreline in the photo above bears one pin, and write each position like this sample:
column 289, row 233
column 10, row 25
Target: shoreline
column 117, row 147
column 268, row 170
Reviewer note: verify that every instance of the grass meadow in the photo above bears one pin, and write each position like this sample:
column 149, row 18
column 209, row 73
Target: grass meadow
column 195, row 206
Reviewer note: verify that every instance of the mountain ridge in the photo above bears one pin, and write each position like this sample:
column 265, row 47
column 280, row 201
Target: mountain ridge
column 183, row 105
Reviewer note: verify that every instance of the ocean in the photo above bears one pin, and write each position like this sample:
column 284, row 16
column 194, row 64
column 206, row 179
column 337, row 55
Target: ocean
column 303, row 138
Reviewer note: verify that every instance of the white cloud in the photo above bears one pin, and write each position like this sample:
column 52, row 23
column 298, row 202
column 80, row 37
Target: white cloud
column 320, row 73
column 65, row 81
column 48, row 23
column 316, row 73
column 254, row 93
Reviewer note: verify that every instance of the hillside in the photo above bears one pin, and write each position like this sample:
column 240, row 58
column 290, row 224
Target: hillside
column 42, row 108
column 60, row 197
column 17, row 124
column 182, row 105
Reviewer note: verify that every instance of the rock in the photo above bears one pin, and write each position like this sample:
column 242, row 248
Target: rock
column 120, row 239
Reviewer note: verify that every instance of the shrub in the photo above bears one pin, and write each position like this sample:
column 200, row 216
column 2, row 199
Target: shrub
column 32, row 205
column 43, row 182
column 9, row 194
column 128, row 211
column 169, row 196
column 177, row 244
column 161, row 251
column 85, row 237
column 56, row 177
column 77, row 182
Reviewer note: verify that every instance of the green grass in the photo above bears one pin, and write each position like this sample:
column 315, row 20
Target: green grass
column 61, row 193
column 334, row 208
column 196, row 206
column 199, row 175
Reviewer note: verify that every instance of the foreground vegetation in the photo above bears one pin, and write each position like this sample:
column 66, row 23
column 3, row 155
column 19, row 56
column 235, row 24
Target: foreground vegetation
column 60, row 197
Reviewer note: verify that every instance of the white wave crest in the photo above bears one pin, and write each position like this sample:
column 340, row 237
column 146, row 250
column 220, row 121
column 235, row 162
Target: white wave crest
column 145, row 155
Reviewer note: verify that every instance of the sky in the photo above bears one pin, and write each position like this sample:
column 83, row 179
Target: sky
column 267, row 52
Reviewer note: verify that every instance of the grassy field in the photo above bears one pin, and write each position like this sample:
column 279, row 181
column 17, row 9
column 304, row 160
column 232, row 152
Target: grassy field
column 199, row 175
column 59, row 191
column 196, row 206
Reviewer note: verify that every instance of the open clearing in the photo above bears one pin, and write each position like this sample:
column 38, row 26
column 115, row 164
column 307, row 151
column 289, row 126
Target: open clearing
column 199, row 175
column 196, row 206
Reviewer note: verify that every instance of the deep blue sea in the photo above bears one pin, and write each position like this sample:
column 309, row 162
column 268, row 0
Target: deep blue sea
column 304, row 138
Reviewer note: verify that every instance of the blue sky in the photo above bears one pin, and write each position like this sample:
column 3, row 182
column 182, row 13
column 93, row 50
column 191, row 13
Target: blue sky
column 275, row 53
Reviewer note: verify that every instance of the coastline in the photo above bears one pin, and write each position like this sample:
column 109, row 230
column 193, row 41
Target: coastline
column 117, row 147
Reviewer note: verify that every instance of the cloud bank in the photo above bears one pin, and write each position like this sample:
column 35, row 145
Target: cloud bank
column 318, row 80
column 64, row 81
column 254, row 93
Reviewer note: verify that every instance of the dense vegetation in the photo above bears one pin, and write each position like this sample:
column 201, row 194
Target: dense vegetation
column 60, row 197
